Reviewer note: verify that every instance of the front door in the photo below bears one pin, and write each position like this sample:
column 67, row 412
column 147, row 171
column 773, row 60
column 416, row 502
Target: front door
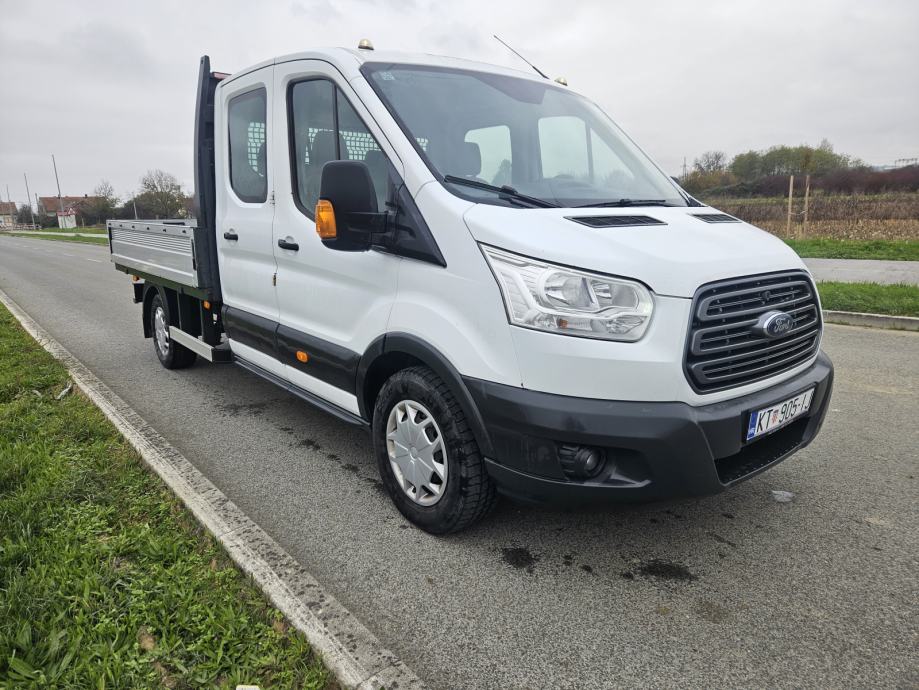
column 245, row 209
column 332, row 304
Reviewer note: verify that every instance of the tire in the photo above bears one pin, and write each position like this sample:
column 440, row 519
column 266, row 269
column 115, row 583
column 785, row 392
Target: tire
column 170, row 353
column 466, row 493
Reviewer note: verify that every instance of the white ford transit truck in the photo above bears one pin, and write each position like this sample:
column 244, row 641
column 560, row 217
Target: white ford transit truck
column 481, row 269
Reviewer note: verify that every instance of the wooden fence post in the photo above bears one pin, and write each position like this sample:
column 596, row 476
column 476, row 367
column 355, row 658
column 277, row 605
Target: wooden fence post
column 807, row 191
column 791, row 192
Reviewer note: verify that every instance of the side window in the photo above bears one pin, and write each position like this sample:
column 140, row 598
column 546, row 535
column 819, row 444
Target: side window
column 248, row 160
column 358, row 144
column 563, row 147
column 312, row 111
column 494, row 145
column 325, row 128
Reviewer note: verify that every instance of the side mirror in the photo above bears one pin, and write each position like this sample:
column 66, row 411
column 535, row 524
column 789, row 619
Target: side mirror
column 346, row 214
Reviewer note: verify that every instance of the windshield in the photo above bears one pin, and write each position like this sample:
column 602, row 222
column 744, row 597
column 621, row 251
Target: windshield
column 538, row 139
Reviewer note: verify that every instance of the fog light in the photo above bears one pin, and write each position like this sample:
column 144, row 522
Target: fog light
column 581, row 462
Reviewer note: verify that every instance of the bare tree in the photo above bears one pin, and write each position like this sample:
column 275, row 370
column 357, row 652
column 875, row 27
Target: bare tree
column 161, row 193
column 711, row 162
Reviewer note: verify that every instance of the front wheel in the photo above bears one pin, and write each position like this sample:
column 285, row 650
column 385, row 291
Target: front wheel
column 170, row 353
column 427, row 455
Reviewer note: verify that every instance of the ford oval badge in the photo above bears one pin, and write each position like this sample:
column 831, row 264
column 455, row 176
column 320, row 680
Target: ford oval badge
column 773, row 324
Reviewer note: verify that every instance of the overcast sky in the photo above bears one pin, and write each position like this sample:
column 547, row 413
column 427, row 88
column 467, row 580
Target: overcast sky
column 108, row 87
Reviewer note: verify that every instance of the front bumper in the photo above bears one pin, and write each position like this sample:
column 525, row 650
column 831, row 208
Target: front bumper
column 654, row 450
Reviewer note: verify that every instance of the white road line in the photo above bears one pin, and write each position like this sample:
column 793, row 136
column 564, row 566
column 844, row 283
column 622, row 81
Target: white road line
column 98, row 261
column 350, row 651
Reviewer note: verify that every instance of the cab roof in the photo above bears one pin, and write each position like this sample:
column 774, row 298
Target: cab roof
column 348, row 61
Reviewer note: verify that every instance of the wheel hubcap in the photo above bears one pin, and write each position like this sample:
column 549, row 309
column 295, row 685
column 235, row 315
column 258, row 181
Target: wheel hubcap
column 160, row 330
column 416, row 452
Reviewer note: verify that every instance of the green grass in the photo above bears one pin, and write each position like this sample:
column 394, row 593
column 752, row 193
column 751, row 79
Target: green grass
column 828, row 248
column 897, row 300
column 106, row 581
column 89, row 228
column 103, row 240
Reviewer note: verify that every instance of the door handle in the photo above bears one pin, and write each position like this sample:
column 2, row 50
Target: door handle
column 230, row 236
column 293, row 246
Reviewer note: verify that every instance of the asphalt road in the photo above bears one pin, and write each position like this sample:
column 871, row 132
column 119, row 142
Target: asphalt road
column 729, row 591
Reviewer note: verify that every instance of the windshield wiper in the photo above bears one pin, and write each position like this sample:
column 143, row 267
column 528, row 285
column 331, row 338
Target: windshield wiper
column 626, row 202
column 505, row 191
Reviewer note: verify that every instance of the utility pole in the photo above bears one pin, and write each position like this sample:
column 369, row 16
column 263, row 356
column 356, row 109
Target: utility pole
column 60, row 199
column 684, row 167
column 10, row 202
column 29, row 197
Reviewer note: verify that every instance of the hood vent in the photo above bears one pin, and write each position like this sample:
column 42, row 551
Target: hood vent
column 615, row 221
column 715, row 217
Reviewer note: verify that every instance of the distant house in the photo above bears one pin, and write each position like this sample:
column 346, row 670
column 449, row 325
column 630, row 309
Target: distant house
column 50, row 205
column 7, row 213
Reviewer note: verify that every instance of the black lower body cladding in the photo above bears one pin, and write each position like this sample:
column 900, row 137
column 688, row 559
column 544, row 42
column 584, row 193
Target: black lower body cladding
column 650, row 451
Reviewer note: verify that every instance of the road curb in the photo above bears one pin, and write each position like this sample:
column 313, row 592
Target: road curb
column 351, row 652
column 856, row 318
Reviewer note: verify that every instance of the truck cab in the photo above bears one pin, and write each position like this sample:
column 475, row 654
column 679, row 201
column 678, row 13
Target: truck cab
column 481, row 269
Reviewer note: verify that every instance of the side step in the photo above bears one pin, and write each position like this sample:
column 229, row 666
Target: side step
column 220, row 353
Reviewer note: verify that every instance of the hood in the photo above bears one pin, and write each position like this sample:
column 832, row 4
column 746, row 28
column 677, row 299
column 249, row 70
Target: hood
column 672, row 259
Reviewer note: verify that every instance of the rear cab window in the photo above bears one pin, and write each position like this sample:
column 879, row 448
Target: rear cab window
column 248, row 151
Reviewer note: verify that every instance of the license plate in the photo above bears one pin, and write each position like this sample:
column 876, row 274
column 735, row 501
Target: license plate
column 771, row 418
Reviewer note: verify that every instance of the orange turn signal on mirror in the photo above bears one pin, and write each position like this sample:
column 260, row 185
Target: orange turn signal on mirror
column 302, row 356
column 325, row 220
column 207, row 305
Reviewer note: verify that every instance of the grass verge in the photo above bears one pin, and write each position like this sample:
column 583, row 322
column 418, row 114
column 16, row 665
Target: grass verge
column 101, row 240
column 828, row 248
column 871, row 298
column 105, row 579
column 87, row 228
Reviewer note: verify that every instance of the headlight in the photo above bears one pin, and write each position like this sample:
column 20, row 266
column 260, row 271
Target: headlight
column 565, row 300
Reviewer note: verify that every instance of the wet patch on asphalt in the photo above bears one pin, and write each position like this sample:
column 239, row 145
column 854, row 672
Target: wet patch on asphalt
column 520, row 558
column 721, row 540
column 236, row 409
column 660, row 569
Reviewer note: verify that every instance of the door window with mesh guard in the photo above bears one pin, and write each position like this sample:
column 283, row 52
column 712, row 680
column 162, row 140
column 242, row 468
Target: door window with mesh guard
column 326, row 128
column 248, row 159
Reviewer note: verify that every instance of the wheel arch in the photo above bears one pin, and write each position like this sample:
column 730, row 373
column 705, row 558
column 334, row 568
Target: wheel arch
column 168, row 296
column 393, row 352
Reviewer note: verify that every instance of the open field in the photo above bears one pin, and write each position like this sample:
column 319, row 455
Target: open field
column 105, row 579
column 854, row 217
column 871, row 298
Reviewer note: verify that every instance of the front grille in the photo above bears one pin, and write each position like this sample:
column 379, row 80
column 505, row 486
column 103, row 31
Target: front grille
column 615, row 221
column 722, row 351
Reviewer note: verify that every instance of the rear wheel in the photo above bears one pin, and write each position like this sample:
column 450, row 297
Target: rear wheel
column 170, row 353
column 427, row 455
